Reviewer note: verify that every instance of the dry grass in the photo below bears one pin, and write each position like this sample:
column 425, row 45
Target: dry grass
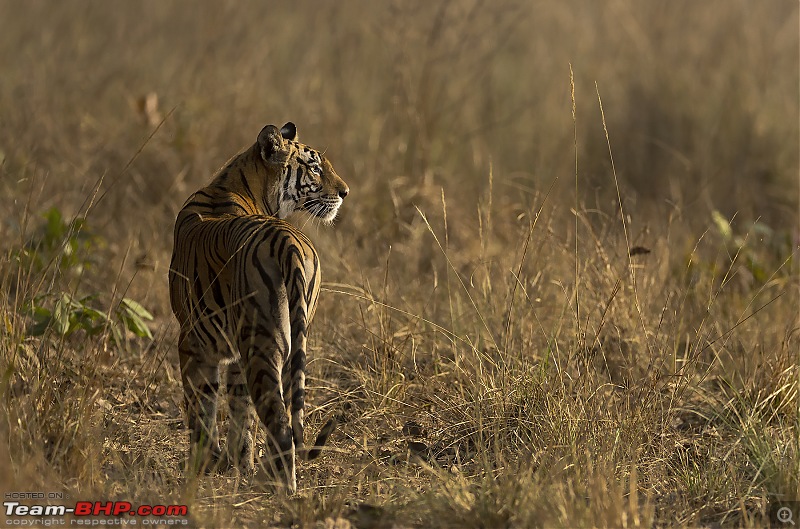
column 498, row 354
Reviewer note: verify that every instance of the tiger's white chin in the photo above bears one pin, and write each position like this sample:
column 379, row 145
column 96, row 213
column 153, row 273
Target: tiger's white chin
column 323, row 210
column 326, row 210
column 330, row 215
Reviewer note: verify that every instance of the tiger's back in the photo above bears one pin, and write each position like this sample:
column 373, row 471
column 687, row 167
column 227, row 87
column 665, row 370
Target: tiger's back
column 243, row 286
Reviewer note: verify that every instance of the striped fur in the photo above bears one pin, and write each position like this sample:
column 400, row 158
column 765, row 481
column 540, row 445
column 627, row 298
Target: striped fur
column 244, row 286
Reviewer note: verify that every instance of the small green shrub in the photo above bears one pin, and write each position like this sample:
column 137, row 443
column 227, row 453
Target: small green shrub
column 66, row 246
column 65, row 314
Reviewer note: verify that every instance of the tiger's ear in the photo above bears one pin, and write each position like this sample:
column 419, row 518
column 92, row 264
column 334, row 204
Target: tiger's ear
column 270, row 141
column 289, row 131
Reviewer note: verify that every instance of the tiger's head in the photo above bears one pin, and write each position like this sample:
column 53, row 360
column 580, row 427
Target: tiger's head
column 306, row 180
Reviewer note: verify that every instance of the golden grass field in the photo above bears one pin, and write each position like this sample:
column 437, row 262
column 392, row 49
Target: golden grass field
column 564, row 290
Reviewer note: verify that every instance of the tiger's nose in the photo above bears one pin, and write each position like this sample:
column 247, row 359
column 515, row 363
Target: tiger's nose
column 344, row 192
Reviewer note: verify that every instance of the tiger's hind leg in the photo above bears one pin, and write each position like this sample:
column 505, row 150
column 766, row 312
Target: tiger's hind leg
column 239, row 444
column 200, row 385
column 263, row 347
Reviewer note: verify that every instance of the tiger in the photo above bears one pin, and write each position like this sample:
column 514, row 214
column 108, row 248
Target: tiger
column 243, row 284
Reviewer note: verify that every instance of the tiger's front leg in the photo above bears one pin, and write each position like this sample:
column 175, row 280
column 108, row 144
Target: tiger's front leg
column 200, row 385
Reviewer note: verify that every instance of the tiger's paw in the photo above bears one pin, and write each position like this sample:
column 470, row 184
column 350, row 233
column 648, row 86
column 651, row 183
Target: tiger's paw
column 239, row 456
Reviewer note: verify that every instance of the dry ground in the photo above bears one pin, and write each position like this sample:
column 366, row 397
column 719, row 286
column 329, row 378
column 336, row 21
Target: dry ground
column 539, row 311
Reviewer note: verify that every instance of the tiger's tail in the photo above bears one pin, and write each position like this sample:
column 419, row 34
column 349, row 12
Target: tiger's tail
column 310, row 453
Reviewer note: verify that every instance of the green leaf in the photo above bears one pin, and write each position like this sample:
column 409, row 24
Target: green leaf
column 91, row 320
column 136, row 325
column 39, row 328
column 135, row 308
column 40, row 313
column 61, row 315
column 133, row 315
